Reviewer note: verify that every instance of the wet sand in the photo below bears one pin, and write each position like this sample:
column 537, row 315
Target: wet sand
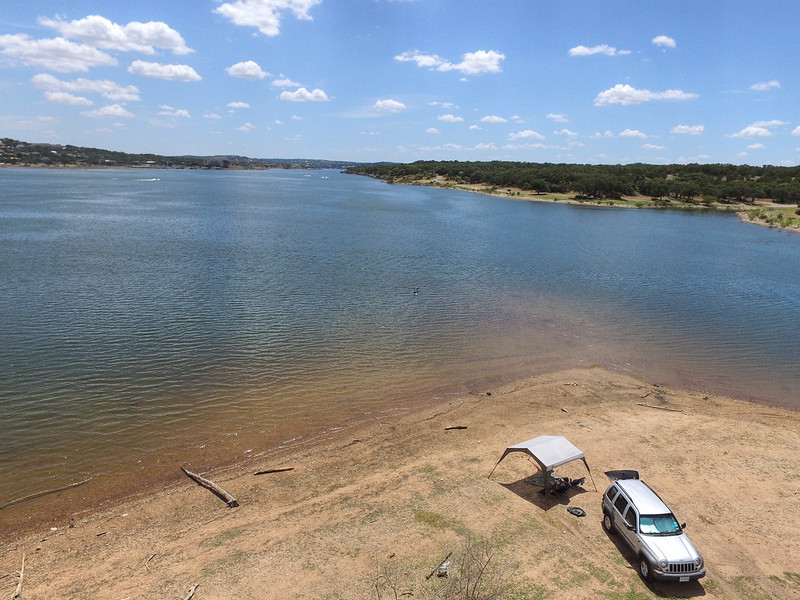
column 369, row 511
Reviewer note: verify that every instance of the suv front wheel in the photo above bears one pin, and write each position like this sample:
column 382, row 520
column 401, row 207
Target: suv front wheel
column 645, row 568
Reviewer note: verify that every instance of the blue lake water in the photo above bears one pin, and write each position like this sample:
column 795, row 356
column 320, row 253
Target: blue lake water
column 151, row 317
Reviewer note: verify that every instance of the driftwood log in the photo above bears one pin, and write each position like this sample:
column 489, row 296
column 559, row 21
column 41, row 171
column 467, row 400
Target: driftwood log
column 451, row 427
column 437, row 567
column 208, row 484
column 191, row 592
column 18, row 592
column 278, row 470
column 659, row 407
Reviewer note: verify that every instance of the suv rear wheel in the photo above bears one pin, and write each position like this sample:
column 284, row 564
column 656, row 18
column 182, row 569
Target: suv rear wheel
column 608, row 524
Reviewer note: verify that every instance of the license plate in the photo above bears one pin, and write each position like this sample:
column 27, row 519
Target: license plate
column 683, row 579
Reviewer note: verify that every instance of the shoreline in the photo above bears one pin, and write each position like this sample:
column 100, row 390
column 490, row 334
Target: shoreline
column 377, row 503
column 745, row 212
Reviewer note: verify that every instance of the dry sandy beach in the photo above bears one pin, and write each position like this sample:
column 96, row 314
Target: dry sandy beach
column 371, row 510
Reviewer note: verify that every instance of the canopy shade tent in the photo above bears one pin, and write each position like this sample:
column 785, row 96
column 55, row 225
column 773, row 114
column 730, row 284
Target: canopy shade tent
column 549, row 452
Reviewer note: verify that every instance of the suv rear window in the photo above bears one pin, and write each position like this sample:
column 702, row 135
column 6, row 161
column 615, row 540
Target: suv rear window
column 620, row 504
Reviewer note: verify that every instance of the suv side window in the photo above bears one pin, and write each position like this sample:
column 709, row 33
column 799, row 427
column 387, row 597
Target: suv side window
column 621, row 504
column 630, row 517
column 610, row 493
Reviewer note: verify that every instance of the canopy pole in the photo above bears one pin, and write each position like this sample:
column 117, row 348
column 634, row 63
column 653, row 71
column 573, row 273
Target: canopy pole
column 498, row 462
column 590, row 474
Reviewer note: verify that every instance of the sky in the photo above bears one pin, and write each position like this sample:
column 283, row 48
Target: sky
column 575, row 81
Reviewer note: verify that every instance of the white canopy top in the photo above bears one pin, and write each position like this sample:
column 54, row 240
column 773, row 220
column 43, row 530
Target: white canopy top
column 550, row 451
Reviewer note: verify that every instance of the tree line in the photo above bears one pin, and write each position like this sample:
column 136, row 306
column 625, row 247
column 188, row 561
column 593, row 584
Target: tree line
column 18, row 153
column 686, row 183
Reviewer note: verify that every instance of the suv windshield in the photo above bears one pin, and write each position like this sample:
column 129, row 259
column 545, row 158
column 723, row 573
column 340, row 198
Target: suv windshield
column 659, row 524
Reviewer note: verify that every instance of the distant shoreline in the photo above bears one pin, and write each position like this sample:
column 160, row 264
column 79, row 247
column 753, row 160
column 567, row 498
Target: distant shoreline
column 747, row 213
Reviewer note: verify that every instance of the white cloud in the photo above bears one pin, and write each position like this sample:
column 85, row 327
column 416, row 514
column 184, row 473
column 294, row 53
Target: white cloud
column 664, row 41
column 159, row 71
column 536, row 146
column 297, row 118
column 433, row 130
column 108, row 89
column 493, row 119
column 303, row 95
column 599, row 136
column 632, row 133
column 247, row 127
column 601, row 49
column 99, row 32
column 389, row 105
column 247, row 70
column 168, row 111
column 264, row 14
column 482, row 61
column 688, row 129
column 113, row 111
column 236, row 105
column 66, row 98
column 429, row 61
column 527, row 134
column 459, row 147
column 55, row 54
column 796, row 130
column 756, row 146
column 758, row 129
column 626, row 95
column 475, row 128
column 450, row 118
column 653, row 147
column 766, row 86
column 558, row 117
column 211, row 116
column 445, row 105
column 472, row 63
column 285, row 82
column 566, row 132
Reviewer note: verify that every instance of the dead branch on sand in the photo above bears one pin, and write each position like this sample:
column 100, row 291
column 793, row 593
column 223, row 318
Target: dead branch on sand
column 191, row 592
column 18, row 590
column 278, row 470
column 437, row 567
column 659, row 407
column 208, row 484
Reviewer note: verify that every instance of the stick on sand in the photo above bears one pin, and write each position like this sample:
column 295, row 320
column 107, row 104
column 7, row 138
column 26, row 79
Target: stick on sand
column 208, row 484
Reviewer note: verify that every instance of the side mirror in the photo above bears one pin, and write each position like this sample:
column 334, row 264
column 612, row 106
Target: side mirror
column 683, row 525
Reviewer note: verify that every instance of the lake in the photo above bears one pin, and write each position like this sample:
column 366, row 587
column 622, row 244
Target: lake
column 150, row 317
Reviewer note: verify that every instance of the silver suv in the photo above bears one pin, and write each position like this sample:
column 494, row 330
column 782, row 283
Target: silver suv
column 648, row 526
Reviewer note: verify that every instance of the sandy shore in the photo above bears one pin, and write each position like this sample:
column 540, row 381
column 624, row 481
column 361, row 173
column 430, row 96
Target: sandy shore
column 368, row 512
column 743, row 210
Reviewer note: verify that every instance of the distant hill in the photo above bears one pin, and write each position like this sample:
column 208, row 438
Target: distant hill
column 16, row 153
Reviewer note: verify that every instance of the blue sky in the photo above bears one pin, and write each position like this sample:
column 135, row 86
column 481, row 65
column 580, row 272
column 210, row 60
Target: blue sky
column 589, row 81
